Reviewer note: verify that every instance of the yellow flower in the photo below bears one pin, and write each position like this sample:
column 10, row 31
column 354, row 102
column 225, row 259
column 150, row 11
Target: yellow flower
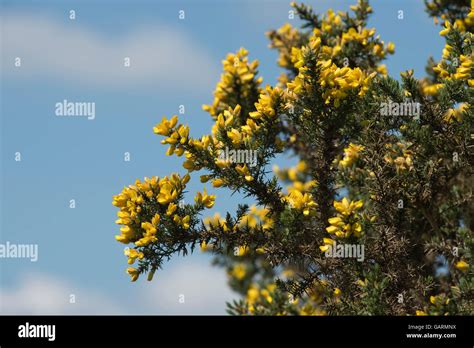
column 347, row 208
column 244, row 170
column 171, row 209
column 239, row 271
column 132, row 255
column 236, row 69
column 185, row 222
column 421, row 313
column 446, row 30
column 346, row 222
column 133, row 272
column 463, row 72
column 265, row 107
column 205, row 247
column 454, row 114
column 217, row 182
column 351, row 154
column 242, row 250
column 391, row 47
column 205, row 199
column 301, row 201
column 204, row 178
column 216, row 222
column 189, row 165
column 432, row 89
column 252, row 294
column 165, row 126
column 167, row 193
column 235, row 136
column 462, row 266
column 382, row 69
column 327, row 243
column 183, row 132
column 266, row 295
column 400, row 156
column 185, row 179
column 155, row 220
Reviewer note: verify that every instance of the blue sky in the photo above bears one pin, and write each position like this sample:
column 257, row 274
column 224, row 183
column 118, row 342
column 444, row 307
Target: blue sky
column 173, row 62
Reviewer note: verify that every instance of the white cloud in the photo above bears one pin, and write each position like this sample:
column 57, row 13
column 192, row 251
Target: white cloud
column 204, row 289
column 48, row 48
column 46, row 294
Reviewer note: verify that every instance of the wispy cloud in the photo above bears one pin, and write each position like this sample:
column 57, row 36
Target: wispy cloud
column 202, row 287
column 189, row 288
column 46, row 294
column 49, row 48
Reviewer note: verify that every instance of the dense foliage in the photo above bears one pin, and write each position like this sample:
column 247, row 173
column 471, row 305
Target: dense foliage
column 377, row 216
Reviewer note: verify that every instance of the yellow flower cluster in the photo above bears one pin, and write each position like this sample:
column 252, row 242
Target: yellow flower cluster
column 463, row 70
column 399, row 156
column 237, row 71
column 256, row 296
column 463, row 24
column 324, row 47
column 338, row 82
column 345, row 223
column 282, row 39
column 133, row 254
column 228, row 125
column 204, row 199
column 431, row 89
column 301, row 201
column 238, row 271
column 256, row 217
column 361, row 35
column 318, row 293
column 133, row 273
column 244, row 171
column 267, row 104
column 176, row 137
column 216, row 221
column 299, row 196
column 351, row 154
column 332, row 21
column 298, row 59
column 142, row 207
column 463, row 64
column 357, row 7
column 438, row 306
column 455, row 114
column 133, row 202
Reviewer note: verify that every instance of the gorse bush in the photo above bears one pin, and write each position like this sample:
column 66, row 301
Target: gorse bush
column 377, row 215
